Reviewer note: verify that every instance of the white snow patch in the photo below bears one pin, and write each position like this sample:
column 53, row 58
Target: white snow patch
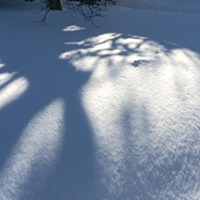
column 39, row 145
column 2, row 65
column 13, row 90
column 5, row 77
column 73, row 28
column 139, row 101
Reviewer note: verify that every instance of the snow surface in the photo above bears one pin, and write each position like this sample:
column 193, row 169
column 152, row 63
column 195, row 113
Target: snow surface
column 106, row 113
column 12, row 2
column 164, row 5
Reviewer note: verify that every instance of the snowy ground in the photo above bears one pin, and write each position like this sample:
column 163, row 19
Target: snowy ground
column 105, row 113
column 189, row 6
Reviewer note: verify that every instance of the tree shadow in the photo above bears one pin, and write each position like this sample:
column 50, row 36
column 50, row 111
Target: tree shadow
column 111, row 148
column 71, row 173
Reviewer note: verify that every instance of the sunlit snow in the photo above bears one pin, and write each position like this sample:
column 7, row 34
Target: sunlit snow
column 35, row 152
column 13, row 90
column 146, row 121
column 108, row 113
column 73, row 28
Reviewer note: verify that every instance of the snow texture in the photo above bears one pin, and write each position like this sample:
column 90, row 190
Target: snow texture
column 190, row 6
column 106, row 113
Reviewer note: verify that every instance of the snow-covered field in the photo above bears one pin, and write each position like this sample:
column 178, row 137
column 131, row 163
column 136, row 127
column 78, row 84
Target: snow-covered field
column 108, row 113
column 189, row 6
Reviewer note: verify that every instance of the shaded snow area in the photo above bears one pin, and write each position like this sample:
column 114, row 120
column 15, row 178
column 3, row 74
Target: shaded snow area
column 106, row 113
column 164, row 5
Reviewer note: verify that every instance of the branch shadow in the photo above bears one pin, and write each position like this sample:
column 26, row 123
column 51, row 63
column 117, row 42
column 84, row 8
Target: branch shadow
column 95, row 63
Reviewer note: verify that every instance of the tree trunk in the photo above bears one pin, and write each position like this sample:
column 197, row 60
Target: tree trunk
column 54, row 4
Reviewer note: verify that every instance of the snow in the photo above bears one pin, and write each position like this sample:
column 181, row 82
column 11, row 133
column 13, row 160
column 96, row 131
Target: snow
column 11, row 2
column 104, row 113
column 164, row 5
